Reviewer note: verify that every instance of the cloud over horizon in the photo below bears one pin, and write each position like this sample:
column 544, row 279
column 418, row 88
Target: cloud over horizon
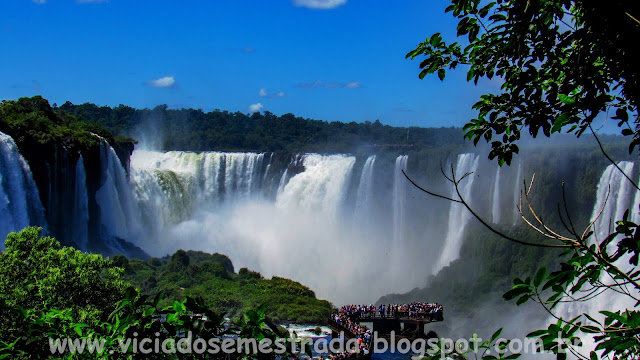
column 163, row 82
column 255, row 107
column 320, row 83
column 263, row 93
column 319, row 4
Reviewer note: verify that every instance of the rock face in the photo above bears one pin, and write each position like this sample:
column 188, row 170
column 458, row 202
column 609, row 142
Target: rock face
column 67, row 182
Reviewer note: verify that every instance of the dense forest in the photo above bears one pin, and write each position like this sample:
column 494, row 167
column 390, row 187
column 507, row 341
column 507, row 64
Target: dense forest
column 195, row 130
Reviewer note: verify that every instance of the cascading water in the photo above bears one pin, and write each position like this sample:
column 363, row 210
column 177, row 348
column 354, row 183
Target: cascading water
column 495, row 209
column 458, row 214
column 118, row 210
column 516, row 194
column 80, row 222
column 365, row 192
column 613, row 198
column 320, row 187
column 635, row 208
column 399, row 199
column 283, row 181
column 20, row 204
column 170, row 186
column 302, row 228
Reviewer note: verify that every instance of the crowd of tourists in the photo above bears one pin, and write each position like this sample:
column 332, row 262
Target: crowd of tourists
column 431, row 311
column 363, row 335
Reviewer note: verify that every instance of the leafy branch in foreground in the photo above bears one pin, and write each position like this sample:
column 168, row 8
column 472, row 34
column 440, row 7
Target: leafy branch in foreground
column 560, row 64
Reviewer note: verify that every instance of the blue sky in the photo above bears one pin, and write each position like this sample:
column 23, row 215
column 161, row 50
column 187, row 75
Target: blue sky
column 324, row 59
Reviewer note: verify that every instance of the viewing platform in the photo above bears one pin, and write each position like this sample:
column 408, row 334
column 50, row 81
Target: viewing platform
column 405, row 324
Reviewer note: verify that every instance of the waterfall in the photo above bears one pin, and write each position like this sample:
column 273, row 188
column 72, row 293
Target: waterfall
column 635, row 208
column 283, row 181
column 516, row 194
column 365, row 193
column 119, row 215
column 80, row 222
column 20, row 204
column 210, row 175
column 320, row 187
column 613, row 198
column 459, row 216
column 495, row 210
column 399, row 199
column 170, row 186
column 266, row 171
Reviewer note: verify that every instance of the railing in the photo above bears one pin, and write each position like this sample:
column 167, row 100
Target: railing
column 358, row 316
column 341, row 327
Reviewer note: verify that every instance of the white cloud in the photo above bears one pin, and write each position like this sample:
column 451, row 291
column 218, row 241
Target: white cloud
column 91, row 1
column 163, row 82
column 265, row 94
column 314, row 84
column 329, row 85
column 319, row 4
column 249, row 50
column 255, row 107
column 40, row 1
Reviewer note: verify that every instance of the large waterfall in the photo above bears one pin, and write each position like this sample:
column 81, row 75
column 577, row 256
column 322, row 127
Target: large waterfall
column 458, row 214
column 20, row 204
column 350, row 227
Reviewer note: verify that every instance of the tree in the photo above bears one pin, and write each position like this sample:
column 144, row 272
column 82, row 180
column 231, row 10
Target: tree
column 562, row 64
column 35, row 273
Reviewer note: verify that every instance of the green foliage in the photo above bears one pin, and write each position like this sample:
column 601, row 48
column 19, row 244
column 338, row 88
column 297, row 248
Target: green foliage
column 32, row 121
column 561, row 64
column 212, row 277
column 138, row 317
column 35, row 273
column 47, row 290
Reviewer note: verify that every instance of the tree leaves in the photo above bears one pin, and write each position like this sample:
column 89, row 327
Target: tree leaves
column 553, row 77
